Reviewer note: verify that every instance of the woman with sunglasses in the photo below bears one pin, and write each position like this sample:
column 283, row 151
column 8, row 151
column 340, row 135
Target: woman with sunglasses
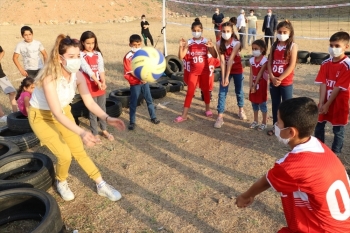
column 52, row 122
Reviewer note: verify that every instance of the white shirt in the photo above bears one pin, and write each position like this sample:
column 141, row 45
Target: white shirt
column 65, row 91
column 31, row 54
column 240, row 21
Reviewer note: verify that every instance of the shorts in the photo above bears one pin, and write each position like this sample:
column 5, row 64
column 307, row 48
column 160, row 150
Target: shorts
column 6, row 85
column 262, row 106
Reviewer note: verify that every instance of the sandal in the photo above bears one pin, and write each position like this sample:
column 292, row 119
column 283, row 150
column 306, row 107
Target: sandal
column 109, row 136
column 253, row 125
column 208, row 113
column 179, row 119
column 262, row 127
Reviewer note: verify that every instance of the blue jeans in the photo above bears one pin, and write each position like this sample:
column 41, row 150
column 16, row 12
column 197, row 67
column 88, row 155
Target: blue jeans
column 238, row 81
column 338, row 132
column 262, row 106
column 278, row 93
column 251, row 31
column 134, row 95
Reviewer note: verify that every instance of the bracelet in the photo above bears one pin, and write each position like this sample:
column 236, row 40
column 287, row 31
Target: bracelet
column 106, row 118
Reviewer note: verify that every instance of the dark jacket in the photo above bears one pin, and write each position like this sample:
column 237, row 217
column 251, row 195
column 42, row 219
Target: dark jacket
column 273, row 23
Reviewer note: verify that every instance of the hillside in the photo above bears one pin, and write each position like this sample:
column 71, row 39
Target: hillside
column 63, row 11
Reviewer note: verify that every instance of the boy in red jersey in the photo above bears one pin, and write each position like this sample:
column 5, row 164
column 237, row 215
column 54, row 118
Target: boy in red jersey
column 334, row 80
column 312, row 181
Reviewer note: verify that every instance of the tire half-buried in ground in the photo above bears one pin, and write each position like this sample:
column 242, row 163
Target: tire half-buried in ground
column 26, row 170
column 28, row 203
column 17, row 122
column 23, row 140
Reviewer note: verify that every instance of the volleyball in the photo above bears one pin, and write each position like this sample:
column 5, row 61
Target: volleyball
column 148, row 64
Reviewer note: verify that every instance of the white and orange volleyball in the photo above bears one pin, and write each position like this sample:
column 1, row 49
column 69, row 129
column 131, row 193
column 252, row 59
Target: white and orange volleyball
column 148, row 64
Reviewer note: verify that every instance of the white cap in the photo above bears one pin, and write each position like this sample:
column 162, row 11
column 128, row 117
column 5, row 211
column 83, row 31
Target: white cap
column 242, row 11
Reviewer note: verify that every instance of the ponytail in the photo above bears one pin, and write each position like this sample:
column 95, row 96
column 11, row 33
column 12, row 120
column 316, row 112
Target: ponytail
column 26, row 82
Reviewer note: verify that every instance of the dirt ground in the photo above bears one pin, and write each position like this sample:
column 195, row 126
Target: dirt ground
column 173, row 177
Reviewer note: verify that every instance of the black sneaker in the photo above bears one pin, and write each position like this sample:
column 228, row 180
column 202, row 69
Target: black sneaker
column 155, row 121
column 131, row 126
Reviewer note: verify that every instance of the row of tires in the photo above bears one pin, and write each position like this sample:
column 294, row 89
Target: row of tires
column 24, row 179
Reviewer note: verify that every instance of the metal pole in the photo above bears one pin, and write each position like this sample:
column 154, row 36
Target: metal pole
column 164, row 30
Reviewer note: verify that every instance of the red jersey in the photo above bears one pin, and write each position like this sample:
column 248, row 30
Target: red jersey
column 128, row 70
column 213, row 63
column 93, row 63
column 260, row 95
column 280, row 64
column 335, row 74
column 314, row 189
column 237, row 67
column 198, row 56
column 187, row 68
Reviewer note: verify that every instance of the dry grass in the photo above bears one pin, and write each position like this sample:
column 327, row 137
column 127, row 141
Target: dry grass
column 173, row 177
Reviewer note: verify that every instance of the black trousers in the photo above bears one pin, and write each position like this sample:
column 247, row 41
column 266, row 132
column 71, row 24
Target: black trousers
column 149, row 36
column 269, row 32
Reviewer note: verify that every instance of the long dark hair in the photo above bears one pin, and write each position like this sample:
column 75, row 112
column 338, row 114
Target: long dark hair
column 88, row 35
column 222, row 40
column 26, row 82
column 261, row 45
column 287, row 24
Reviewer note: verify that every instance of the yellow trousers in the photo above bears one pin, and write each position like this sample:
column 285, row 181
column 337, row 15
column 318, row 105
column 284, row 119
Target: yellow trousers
column 62, row 142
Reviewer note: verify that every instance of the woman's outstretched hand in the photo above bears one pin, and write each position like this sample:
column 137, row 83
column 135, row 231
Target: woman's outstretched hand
column 116, row 123
column 88, row 138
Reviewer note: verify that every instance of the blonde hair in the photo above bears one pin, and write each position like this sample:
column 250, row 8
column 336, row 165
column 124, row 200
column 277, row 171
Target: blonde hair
column 53, row 66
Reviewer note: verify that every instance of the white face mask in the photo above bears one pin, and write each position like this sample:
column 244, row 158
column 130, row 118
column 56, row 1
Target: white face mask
column 72, row 65
column 226, row 36
column 143, row 20
column 277, row 134
column 217, row 12
column 282, row 37
column 134, row 50
column 269, row 14
column 256, row 53
column 335, row 52
column 251, row 14
column 196, row 34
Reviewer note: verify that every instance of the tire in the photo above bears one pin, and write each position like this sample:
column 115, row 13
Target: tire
column 123, row 96
column 303, row 54
column 173, row 64
column 8, row 148
column 302, row 60
column 41, row 167
column 27, row 203
column 172, row 85
column 179, row 76
column 163, row 78
column 158, row 91
column 322, row 56
column 78, row 109
column 19, row 123
column 315, row 61
column 23, row 140
column 113, row 107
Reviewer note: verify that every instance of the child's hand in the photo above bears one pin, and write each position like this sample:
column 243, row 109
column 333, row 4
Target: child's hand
column 144, row 82
column 182, row 43
column 210, row 44
column 253, row 89
column 103, row 86
column 323, row 109
column 225, row 82
column 99, row 84
column 23, row 73
column 243, row 202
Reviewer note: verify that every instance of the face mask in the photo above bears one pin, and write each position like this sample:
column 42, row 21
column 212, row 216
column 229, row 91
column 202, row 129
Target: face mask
column 72, row 65
column 277, row 134
column 269, row 14
column 226, row 36
column 335, row 52
column 134, row 50
column 196, row 34
column 217, row 12
column 282, row 37
column 256, row 53
column 251, row 14
column 143, row 20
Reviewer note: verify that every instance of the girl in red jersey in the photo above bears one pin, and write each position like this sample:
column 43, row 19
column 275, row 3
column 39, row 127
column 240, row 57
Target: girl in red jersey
column 196, row 50
column 231, row 67
column 281, row 64
column 213, row 63
column 92, row 68
column 258, row 83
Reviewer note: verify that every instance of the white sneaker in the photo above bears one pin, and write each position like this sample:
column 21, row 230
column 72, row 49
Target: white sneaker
column 64, row 190
column 3, row 119
column 219, row 122
column 108, row 191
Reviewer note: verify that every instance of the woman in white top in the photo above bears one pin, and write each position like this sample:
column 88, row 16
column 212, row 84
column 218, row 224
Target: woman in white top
column 53, row 123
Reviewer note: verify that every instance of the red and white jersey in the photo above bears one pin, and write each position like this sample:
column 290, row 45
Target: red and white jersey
column 260, row 95
column 335, row 74
column 93, row 63
column 237, row 67
column 187, row 67
column 198, row 56
column 128, row 70
column 314, row 188
column 280, row 64
column 213, row 63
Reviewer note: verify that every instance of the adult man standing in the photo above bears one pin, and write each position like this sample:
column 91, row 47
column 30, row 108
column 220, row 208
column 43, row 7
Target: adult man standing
column 217, row 20
column 241, row 25
column 252, row 26
column 269, row 27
